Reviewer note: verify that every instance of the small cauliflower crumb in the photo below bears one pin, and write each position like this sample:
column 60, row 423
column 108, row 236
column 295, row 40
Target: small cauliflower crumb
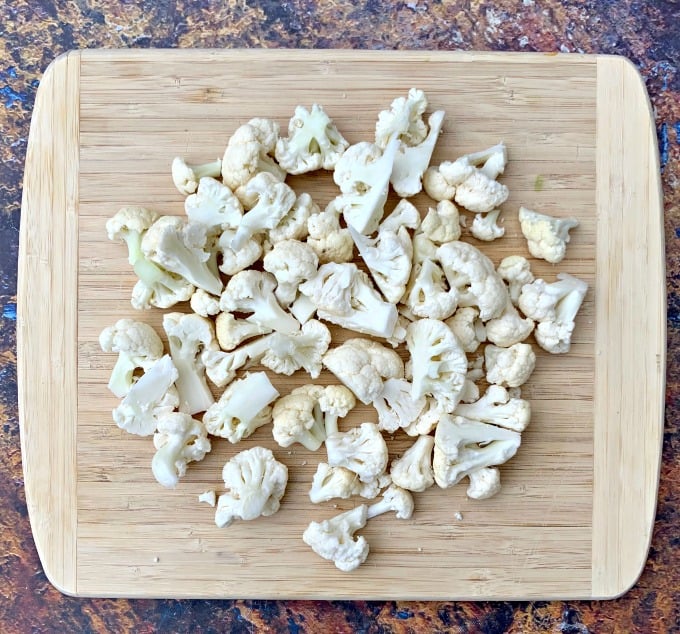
column 209, row 497
column 458, row 515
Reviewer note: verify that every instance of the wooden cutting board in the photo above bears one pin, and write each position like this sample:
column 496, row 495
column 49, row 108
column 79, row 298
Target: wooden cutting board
column 575, row 515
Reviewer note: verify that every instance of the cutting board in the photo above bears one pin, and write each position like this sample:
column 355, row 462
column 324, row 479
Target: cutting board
column 576, row 511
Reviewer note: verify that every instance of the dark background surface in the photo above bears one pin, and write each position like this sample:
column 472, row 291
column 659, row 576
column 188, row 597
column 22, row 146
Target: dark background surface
column 33, row 32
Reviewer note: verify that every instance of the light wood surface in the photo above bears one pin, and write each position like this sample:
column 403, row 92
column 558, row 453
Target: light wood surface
column 575, row 514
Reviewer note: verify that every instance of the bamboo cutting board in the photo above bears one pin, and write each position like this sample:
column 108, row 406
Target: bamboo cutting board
column 575, row 515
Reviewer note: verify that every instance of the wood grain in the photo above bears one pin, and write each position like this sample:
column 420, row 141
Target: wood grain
column 123, row 535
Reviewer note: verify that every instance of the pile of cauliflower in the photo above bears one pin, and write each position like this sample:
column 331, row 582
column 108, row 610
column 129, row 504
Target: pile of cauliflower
column 265, row 270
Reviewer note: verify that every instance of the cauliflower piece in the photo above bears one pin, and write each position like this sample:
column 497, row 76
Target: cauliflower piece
column 248, row 153
column 179, row 440
column 509, row 328
column 255, row 483
column 339, row 483
column 330, row 241
column 253, row 292
column 470, row 391
column 187, row 177
column 484, row 226
column 404, row 215
column 242, row 408
column 213, row 205
column 484, row 483
column 303, row 309
column 333, row 539
column 313, row 142
column 204, row 304
column 184, row 249
column 437, row 362
column 293, row 226
column 515, row 271
column 362, row 450
column 291, row 262
column 496, row 407
column 404, row 120
column 394, row 499
column 362, row 365
column 547, row 237
column 468, row 328
column 398, row 335
column 427, row 294
column 138, row 347
column 345, row 296
column 423, row 249
column 151, row 397
column 363, row 175
column 442, row 223
column 156, row 286
column 413, row 471
column 235, row 260
column 208, row 497
column 428, row 418
column 396, row 406
column 232, row 332
column 480, row 194
column 469, row 271
column 509, row 367
column 188, row 336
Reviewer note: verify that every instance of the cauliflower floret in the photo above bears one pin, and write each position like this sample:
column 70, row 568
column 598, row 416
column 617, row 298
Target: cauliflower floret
column 232, row 332
column 255, row 483
column 330, row 241
column 404, row 215
column 235, row 260
column 291, row 262
column 413, row 471
column 480, row 194
column 394, row 499
column 242, row 408
column 213, row 205
column 187, row 177
column 337, row 482
column 468, row 328
column 404, row 119
column 428, row 294
column 442, row 224
column 179, row 440
column 428, row 418
column 509, row 328
column 515, row 271
column 484, row 226
column 313, row 142
column 396, row 406
column 547, row 237
column 509, row 367
column 293, row 226
column 437, row 362
column 484, row 483
column 138, row 347
column 204, row 304
column 362, row 450
column 498, row 408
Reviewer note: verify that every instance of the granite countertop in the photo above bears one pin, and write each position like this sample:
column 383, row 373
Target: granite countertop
column 33, row 33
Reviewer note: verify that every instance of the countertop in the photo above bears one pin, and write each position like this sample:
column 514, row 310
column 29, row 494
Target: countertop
column 33, row 33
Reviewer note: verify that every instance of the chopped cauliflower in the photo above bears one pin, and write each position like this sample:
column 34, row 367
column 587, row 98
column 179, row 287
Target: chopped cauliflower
column 442, row 223
column 515, row 271
column 485, row 226
column 547, row 237
column 510, row 367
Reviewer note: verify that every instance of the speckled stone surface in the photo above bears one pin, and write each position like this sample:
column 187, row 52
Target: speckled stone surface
column 33, row 32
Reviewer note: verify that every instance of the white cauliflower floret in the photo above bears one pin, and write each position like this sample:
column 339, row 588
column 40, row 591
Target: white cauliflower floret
column 208, row 497
column 248, row 153
column 428, row 294
column 437, row 362
column 236, row 260
column 423, row 249
column 330, row 241
column 214, row 205
column 313, row 142
column 293, row 226
column 484, row 483
column 509, row 367
column 509, row 328
column 547, row 237
column 339, row 483
column 362, row 450
column 468, row 328
column 484, row 226
column 179, row 440
column 333, row 539
column 242, row 408
column 428, row 418
column 515, row 271
column 396, row 406
column 498, row 408
column 187, row 177
column 473, row 275
column 291, row 262
column 138, row 348
column 404, row 119
column 394, row 499
column 232, row 332
column 442, row 223
column 413, row 471
column 204, row 304
column 255, row 483
column 404, row 215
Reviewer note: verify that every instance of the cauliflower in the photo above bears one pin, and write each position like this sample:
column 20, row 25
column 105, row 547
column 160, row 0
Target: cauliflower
column 394, row 499
column 292, row 263
column 498, row 408
column 232, row 261
column 213, row 205
column 188, row 177
column 473, row 275
column 180, row 247
column 428, row 418
column 253, row 292
column 511, row 366
column 413, row 471
column 293, row 226
column 248, row 153
column 151, row 397
column 404, row 120
column 362, row 450
column 404, row 215
column 396, row 406
column 242, row 408
column 179, row 440
column 437, row 362
column 330, row 241
column 188, row 336
column 547, row 237
column 484, row 483
column 255, row 483
column 509, row 328
column 138, row 347
column 333, row 539
column 442, row 224
column 468, row 328
column 337, row 482
column 428, row 294
column 156, row 286
column 204, row 304
column 462, row 446
column 515, row 271
column 484, row 226
column 313, row 142
column 208, row 497
column 344, row 296
column 232, row 332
